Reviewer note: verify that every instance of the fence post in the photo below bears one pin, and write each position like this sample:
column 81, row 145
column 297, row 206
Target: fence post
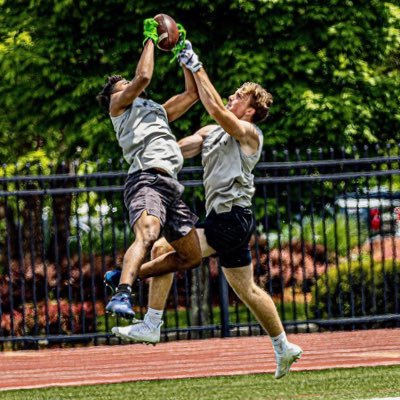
column 223, row 303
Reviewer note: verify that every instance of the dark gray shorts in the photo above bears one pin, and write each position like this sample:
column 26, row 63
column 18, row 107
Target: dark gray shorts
column 160, row 195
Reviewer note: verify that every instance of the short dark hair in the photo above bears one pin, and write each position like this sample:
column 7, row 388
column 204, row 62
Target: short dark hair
column 104, row 96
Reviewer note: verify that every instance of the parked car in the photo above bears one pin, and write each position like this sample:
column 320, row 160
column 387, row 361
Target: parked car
column 377, row 208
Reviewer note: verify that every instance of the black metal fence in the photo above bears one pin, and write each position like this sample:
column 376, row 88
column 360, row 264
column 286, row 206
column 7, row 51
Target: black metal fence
column 327, row 249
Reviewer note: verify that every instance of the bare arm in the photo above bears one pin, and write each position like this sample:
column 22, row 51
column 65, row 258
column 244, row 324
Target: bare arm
column 191, row 145
column 241, row 130
column 144, row 72
column 179, row 104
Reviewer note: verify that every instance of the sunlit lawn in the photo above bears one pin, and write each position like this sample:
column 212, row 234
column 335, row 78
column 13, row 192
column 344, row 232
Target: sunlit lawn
column 357, row 383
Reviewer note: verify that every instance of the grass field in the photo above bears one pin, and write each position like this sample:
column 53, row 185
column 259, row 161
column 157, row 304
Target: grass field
column 357, row 383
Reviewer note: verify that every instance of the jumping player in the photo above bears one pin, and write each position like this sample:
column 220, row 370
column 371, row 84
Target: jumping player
column 152, row 193
column 230, row 151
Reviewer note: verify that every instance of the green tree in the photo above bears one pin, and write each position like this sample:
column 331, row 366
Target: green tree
column 332, row 67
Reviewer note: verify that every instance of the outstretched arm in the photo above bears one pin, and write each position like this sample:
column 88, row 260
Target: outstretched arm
column 241, row 130
column 179, row 104
column 144, row 71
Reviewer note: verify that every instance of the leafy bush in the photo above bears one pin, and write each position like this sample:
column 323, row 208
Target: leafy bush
column 28, row 296
column 339, row 234
column 357, row 289
column 65, row 280
column 54, row 318
column 105, row 241
column 296, row 265
column 299, row 253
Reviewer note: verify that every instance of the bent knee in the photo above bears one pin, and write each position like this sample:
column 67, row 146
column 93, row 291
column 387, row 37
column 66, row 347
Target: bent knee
column 196, row 260
column 160, row 247
column 191, row 260
column 149, row 239
column 147, row 230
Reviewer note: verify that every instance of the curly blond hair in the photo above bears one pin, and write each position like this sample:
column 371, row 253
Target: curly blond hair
column 261, row 99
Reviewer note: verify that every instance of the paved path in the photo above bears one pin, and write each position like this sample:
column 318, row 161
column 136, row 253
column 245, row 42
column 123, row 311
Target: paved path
column 196, row 358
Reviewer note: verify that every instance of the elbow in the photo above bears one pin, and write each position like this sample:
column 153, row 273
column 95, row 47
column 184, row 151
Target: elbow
column 143, row 79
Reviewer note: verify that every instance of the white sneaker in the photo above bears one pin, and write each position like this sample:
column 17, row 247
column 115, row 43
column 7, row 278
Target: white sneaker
column 284, row 360
column 140, row 332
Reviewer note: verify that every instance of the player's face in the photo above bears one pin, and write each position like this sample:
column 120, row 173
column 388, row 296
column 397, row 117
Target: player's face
column 120, row 85
column 238, row 103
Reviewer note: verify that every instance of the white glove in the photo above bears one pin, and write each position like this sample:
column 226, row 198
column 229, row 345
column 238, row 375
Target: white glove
column 189, row 58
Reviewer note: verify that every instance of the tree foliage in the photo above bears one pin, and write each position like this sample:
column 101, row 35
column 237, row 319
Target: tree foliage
column 332, row 66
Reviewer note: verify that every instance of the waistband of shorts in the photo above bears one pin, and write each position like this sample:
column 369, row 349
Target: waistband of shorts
column 246, row 210
column 154, row 171
column 242, row 210
column 157, row 171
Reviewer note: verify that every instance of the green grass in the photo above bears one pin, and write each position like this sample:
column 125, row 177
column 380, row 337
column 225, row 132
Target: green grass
column 357, row 383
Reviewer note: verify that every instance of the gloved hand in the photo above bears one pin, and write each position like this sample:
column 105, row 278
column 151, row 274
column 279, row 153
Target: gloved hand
column 189, row 58
column 150, row 30
column 180, row 45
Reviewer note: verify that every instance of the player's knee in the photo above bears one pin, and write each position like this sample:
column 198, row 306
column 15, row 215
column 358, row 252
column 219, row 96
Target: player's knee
column 196, row 260
column 156, row 251
column 159, row 249
column 149, row 239
column 147, row 235
column 196, row 257
column 190, row 260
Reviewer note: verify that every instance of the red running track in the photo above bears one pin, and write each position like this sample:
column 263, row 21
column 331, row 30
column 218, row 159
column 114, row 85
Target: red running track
column 196, row 358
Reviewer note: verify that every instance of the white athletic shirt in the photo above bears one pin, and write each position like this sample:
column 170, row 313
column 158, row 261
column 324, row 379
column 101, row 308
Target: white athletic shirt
column 146, row 139
column 228, row 178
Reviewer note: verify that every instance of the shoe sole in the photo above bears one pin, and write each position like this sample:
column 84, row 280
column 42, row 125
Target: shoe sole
column 126, row 337
column 295, row 359
column 121, row 315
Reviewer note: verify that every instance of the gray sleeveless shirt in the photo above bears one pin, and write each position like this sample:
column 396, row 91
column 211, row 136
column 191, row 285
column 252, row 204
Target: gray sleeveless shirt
column 146, row 139
column 228, row 180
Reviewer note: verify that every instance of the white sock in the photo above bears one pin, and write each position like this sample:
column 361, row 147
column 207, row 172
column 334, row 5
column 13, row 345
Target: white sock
column 279, row 342
column 153, row 317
